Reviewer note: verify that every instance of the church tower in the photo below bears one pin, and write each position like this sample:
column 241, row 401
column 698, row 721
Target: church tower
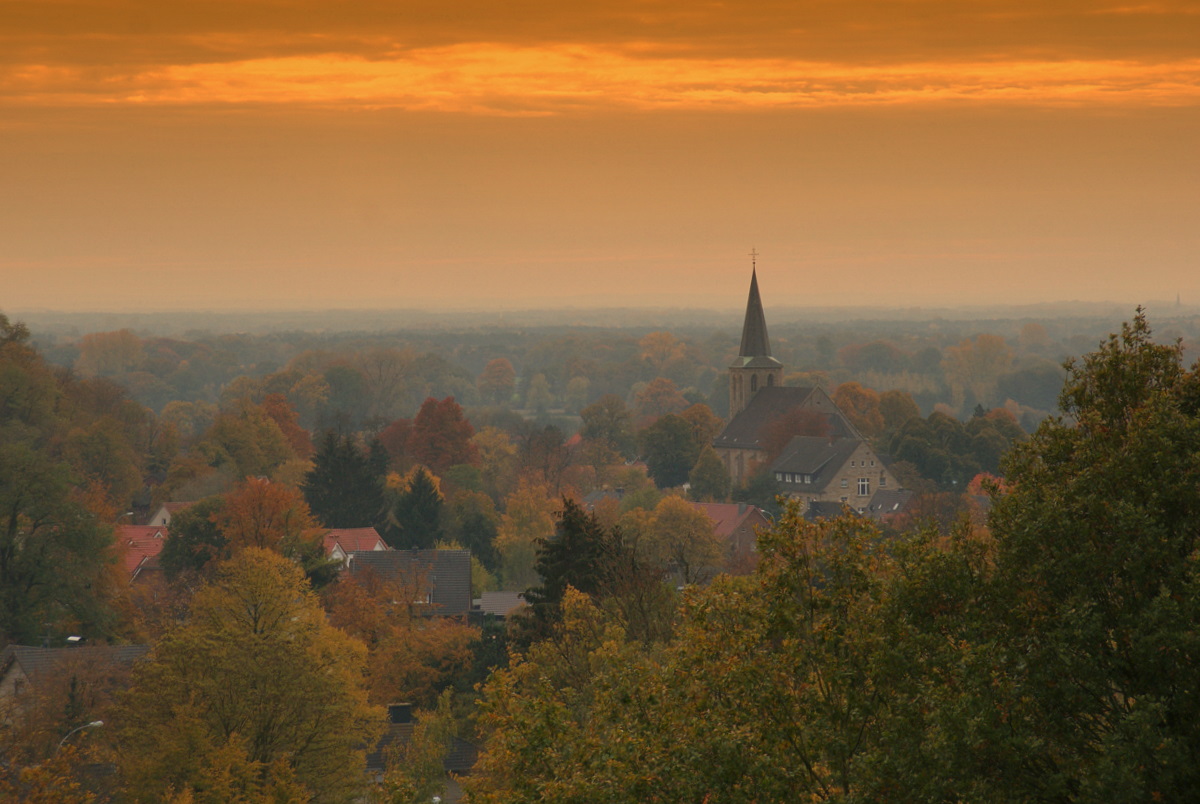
column 754, row 367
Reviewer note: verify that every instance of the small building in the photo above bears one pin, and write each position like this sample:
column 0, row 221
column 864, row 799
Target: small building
column 29, row 675
column 341, row 542
column 162, row 517
column 140, row 546
column 737, row 526
column 832, row 470
column 437, row 582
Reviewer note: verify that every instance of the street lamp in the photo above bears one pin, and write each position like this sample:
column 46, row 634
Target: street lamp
column 94, row 724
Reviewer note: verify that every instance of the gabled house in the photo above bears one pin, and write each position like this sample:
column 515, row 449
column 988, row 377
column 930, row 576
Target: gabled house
column 29, row 675
column 162, row 517
column 140, row 546
column 341, row 542
column 438, row 582
column 832, row 470
column 737, row 526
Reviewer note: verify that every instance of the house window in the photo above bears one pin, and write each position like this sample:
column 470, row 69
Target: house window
column 845, row 499
column 852, row 463
column 882, row 480
column 872, row 463
column 779, row 476
column 864, row 486
column 791, row 478
column 845, row 483
column 808, row 478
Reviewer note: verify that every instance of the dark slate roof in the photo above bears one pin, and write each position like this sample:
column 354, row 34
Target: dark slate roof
column 888, row 501
column 819, row 509
column 755, row 342
column 745, row 429
column 819, row 457
column 36, row 661
column 499, row 604
column 448, row 573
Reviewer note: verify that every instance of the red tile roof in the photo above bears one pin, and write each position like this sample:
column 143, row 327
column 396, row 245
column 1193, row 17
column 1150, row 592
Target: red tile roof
column 726, row 516
column 139, row 543
column 352, row 539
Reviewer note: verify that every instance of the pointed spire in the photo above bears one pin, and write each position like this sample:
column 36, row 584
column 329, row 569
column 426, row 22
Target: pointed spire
column 754, row 331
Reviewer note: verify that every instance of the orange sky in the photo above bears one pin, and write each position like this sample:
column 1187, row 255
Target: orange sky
column 310, row 154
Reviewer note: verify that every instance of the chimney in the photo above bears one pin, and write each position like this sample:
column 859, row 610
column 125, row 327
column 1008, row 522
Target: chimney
column 741, row 508
column 400, row 713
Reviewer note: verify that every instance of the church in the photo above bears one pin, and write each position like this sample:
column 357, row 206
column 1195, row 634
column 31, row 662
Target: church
column 833, row 465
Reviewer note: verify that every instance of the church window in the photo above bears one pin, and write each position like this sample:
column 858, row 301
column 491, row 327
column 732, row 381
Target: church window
column 753, row 383
column 770, row 380
column 882, row 480
column 864, row 486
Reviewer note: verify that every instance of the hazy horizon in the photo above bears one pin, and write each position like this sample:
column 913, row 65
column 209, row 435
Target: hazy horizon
column 273, row 154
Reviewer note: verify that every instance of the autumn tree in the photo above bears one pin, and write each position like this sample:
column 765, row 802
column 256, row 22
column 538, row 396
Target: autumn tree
column 608, row 420
column 410, row 657
column 861, row 406
column 194, row 540
column 709, row 479
column 528, row 517
column 497, row 461
column 269, row 516
column 440, row 436
column 896, row 408
column 973, row 367
column 244, row 675
column 682, row 539
column 658, row 398
column 280, row 411
column 497, row 381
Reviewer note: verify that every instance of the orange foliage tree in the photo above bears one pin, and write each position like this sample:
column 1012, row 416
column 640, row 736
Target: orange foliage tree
column 440, row 436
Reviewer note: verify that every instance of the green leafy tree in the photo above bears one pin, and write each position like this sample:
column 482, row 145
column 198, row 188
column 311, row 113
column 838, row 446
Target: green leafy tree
column 670, row 449
column 609, row 420
column 194, row 539
column 709, row 479
column 1095, row 549
column 54, row 552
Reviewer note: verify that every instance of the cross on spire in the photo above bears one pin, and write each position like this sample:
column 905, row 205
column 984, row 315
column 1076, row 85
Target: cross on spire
column 753, row 258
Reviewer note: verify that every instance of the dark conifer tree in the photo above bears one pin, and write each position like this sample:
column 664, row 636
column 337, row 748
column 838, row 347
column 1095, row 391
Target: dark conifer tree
column 418, row 515
column 345, row 487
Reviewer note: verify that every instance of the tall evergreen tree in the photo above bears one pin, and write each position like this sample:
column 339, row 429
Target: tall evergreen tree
column 345, row 487
column 418, row 514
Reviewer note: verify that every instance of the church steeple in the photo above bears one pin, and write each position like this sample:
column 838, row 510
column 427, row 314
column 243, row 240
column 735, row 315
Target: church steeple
column 754, row 367
column 755, row 342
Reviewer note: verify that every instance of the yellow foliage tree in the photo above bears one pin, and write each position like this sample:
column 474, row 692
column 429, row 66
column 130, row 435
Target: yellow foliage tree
column 256, row 678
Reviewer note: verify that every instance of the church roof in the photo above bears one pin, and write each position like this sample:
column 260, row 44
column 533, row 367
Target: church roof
column 765, row 407
column 755, row 342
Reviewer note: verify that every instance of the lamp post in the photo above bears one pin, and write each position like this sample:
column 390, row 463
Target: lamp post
column 94, row 724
